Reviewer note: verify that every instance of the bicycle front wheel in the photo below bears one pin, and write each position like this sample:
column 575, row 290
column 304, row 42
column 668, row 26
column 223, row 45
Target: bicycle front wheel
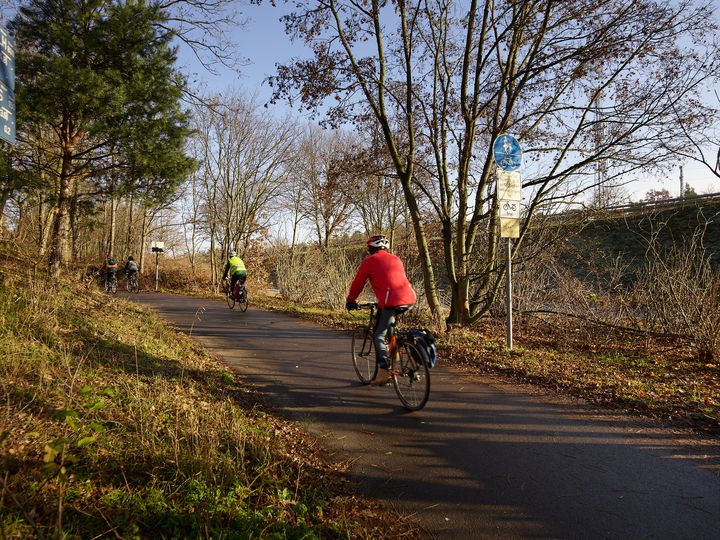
column 363, row 354
column 242, row 301
column 411, row 377
column 230, row 297
column 113, row 286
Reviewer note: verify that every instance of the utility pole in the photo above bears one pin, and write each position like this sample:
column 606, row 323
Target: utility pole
column 682, row 184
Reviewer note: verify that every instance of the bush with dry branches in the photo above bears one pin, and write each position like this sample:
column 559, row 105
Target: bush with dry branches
column 678, row 294
column 312, row 275
column 671, row 292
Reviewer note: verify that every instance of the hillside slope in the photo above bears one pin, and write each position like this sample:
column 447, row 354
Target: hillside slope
column 115, row 425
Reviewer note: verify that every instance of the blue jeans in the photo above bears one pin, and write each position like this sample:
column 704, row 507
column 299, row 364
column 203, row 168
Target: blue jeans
column 385, row 318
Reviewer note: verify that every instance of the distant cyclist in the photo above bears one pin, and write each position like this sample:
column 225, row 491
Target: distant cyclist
column 131, row 268
column 235, row 266
column 392, row 290
column 109, row 268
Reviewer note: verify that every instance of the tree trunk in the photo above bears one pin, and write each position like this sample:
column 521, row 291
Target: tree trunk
column 59, row 238
column 61, row 222
column 113, row 215
column 4, row 197
column 42, row 221
column 45, row 222
column 423, row 250
column 143, row 236
column 213, row 266
column 74, row 228
column 128, row 237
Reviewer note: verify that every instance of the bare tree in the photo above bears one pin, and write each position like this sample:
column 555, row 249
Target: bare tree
column 245, row 158
column 191, row 208
column 206, row 28
column 579, row 83
column 375, row 194
column 326, row 183
column 291, row 200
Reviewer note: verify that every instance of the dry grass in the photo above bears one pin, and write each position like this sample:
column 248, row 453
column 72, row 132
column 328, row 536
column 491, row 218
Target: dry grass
column 657, row 378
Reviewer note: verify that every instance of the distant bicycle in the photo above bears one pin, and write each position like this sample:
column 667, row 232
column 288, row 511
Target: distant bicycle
column 237, row 296
column 409, row 360
column 111, row 285
column 132, row 283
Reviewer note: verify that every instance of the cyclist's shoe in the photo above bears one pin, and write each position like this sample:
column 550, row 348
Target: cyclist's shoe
column 382, row 378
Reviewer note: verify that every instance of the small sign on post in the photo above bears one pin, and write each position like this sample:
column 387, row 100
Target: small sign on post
column 509, row 196
column 157, row 248
column 508, row 156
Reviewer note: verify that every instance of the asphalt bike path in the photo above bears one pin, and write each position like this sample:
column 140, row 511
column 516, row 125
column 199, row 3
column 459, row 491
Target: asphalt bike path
column 485, row 458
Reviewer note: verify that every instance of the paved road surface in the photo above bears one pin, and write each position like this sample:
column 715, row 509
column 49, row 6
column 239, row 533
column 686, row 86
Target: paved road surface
column 485, row 458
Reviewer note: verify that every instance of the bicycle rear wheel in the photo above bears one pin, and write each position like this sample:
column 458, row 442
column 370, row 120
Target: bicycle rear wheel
column 230, row 297
column 363, row 354
column 411, row 377
column 242, row 301
column 113, row 286
column 132, row 285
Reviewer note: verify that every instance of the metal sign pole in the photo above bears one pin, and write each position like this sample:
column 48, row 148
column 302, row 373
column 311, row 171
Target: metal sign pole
column 508, row 156
column 508, row 296
column 157, row 269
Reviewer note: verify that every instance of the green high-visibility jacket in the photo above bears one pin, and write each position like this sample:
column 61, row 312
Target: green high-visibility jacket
column 236, row 265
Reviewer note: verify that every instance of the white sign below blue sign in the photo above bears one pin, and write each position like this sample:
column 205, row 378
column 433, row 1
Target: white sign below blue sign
column 507, row 152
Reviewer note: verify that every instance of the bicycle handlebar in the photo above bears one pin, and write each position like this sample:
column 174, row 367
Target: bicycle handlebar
column 367, row 305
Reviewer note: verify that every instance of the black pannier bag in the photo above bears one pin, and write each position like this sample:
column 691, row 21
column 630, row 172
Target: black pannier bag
column 424, row 340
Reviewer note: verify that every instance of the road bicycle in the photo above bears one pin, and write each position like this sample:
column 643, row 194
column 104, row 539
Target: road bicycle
column 238, row 296
column 132, row 283
column 409, row 364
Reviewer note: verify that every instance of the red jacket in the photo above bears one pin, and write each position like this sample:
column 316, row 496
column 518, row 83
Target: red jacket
column 387, row 277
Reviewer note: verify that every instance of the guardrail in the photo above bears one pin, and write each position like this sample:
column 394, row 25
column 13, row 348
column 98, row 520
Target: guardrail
column 675, row 201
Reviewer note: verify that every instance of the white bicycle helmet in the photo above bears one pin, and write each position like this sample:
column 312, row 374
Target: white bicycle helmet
column 378, row 242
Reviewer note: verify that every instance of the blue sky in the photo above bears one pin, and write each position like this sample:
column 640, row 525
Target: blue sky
column 263, row 42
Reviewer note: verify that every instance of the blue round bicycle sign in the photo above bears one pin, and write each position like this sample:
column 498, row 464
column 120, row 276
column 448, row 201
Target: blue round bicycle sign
column 507, row 152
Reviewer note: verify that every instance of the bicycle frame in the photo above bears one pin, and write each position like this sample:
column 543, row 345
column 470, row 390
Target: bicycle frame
column 408, row 364
column 372, row 322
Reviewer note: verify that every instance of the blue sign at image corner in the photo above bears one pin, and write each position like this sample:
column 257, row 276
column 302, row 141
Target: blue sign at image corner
column 507, row 152
column 7, row 59
column 7, row 114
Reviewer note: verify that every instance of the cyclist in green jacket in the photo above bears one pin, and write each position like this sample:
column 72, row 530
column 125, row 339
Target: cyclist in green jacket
column 109, row 268
column 236, row 268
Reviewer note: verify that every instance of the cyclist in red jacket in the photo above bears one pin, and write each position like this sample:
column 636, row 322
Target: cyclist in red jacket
column 392, row 290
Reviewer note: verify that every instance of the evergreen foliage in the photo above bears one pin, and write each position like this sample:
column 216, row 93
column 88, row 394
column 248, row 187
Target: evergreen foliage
column 101, row 77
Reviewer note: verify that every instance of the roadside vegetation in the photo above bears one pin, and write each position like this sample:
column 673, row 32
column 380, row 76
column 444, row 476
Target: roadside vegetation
column 115, row 425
